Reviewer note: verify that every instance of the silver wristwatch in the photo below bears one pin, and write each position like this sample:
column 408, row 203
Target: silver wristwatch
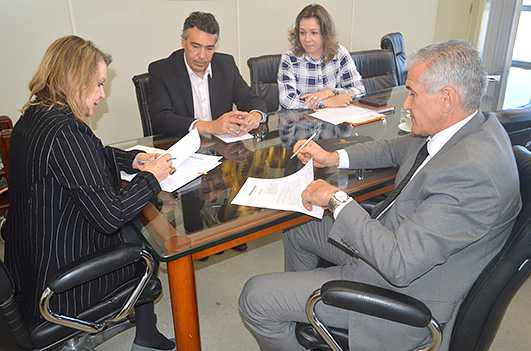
column 338, row 197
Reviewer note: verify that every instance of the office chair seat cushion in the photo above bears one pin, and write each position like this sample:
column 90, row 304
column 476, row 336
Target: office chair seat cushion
column 310, row 338
column 47, row 333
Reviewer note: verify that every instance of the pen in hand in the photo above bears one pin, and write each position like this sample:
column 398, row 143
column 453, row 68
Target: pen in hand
column 303, row 145
column 147, row 161
column 172, row 169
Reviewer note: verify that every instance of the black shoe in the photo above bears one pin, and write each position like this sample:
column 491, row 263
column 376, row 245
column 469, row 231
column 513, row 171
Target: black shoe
column 240, row 248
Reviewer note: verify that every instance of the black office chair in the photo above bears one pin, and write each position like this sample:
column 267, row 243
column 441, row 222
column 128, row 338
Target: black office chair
column 517, row 123
column 377, row 69
column 395, row 43
column 92, row 326
column 264, row 71
column 479, row 315
column 141, row 82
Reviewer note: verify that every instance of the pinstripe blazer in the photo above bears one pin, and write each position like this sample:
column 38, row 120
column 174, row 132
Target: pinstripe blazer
column 66, row 201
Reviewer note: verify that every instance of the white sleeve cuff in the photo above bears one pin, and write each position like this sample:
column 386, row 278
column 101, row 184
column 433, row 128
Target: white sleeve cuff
column 340, row 207
column 344, row 162
column 264, row 116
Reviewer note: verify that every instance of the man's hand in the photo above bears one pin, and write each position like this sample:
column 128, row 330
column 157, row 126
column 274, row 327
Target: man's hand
column 252, row 121
column 317, row 193
column 321, row 157
column 229, row 123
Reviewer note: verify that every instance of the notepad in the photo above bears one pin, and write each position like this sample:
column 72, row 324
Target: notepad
column 352, row 114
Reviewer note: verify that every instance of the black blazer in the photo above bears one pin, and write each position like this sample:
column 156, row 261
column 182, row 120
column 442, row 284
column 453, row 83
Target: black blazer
column 170, row 92
column 66, row 201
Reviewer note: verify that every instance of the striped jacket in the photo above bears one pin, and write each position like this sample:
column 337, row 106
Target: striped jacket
column 66, row 202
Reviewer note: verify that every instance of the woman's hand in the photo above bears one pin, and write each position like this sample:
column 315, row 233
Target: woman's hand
column 143, row 157
column 158, row 165
column 341, row 100
column 312, row 99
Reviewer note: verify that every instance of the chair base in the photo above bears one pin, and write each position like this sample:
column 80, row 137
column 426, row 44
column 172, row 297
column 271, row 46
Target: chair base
column 88, row 342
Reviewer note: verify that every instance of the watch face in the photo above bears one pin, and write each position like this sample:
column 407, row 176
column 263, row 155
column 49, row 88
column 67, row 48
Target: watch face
column 341, row 196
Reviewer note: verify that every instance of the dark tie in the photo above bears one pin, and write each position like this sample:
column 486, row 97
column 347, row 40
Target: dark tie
column 421, row 156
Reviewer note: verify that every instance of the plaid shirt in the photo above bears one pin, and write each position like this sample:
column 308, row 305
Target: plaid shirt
column 302, row 75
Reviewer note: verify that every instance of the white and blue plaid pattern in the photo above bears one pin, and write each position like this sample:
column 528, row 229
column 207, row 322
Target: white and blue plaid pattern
column 302, row 75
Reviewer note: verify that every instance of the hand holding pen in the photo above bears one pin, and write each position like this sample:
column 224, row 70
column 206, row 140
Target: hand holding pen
column 303, row 145
column 159, row 165
column 307, row 149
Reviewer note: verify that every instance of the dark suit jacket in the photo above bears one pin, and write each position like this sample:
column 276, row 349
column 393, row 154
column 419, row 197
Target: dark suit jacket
column 66, row 201
column 170, row 92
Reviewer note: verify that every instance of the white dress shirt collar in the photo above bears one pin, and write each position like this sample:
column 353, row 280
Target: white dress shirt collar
column 437, row 142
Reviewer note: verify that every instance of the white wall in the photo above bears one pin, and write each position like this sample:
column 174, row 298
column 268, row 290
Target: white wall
column 137, row 32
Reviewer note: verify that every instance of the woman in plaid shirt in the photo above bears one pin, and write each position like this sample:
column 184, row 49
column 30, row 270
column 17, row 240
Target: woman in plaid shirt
column 318, row 71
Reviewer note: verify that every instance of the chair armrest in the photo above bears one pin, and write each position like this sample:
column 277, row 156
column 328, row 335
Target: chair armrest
column 93, row 266
column 89, row 268
column 374, row 301
column 377, row 302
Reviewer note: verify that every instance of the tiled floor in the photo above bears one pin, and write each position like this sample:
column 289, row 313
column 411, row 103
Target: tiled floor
column 221, row 278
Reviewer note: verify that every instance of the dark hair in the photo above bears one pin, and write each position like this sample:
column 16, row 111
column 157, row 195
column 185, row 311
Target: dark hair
column 456, row 64
column 68, row 68
column 203, row 21
column 328, row 31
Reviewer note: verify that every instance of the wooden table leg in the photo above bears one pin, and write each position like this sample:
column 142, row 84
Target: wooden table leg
column 184, row 304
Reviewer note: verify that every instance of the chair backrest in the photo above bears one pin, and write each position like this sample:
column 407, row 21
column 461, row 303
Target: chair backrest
column 13, row 331
column 5, row 137
column 377, row 69
column 141, row 82
column 517, row 123
column 395, row 43
column 483, row 308
column 264, row 71
column 5, row 123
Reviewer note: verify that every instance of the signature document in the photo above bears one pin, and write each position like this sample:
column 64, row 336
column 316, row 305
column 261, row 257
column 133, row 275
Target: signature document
column 188, row 164
column 280, row 193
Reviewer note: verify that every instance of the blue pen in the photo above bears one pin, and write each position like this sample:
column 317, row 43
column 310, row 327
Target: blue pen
column 140, row 162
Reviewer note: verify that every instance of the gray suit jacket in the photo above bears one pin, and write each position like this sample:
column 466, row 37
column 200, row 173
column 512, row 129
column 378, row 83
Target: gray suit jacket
column 442, row 230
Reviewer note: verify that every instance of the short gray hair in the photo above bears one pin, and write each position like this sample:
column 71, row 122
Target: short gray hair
column 455, row 64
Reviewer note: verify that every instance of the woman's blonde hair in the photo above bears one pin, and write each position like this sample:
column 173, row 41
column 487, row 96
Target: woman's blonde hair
column 68, row 69
column 328, row 31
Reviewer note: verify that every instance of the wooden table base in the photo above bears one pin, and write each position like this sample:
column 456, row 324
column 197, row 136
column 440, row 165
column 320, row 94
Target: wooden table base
column 181, row 279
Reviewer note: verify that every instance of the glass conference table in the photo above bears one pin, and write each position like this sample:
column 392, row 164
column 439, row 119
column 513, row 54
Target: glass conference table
column 198, row 220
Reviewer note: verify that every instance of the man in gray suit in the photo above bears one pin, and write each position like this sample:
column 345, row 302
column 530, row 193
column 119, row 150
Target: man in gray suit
column 431, row 242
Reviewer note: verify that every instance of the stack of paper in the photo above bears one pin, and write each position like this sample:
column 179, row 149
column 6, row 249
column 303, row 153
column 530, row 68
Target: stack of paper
column 351, row 114
column 188, row 164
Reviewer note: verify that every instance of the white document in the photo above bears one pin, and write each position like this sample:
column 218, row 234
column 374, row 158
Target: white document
column 188, row 164
column 351, row 114
column 227, row 138
column 185, row 147
column 280, row 193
